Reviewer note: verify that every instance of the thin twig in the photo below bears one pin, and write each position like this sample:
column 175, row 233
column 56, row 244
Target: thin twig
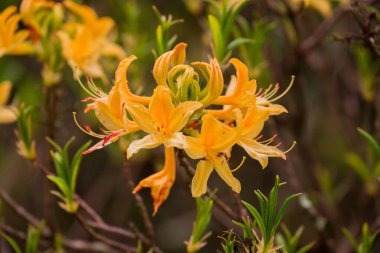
column 102, row 238
column 140, row 203
column 98, row 223
column 70, row 244
column 313, row 40
column 22, row 212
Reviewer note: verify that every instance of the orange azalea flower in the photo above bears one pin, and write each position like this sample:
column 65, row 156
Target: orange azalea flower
column 160, row 182
column 162, row 121
column 110, row 111
column 213, row 143
column 242, row 93
column 11, row 40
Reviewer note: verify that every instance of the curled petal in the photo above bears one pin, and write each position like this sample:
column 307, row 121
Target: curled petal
column 215, row 85
column 199, row 182
column 179, row 54
column 149, row 141
column 160, row 182
column 161, row 66
column 177, row 140
column 260, row 152
column 109, row 139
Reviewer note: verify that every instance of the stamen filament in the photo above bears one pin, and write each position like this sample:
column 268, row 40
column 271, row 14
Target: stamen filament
column 285, row 91
column 241, row 163
column 293, row 145
column 86, row 131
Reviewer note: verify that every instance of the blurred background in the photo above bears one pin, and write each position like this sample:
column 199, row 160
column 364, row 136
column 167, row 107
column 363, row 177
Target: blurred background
column 334, row 55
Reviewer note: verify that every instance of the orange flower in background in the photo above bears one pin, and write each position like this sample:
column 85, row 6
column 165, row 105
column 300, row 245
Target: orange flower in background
column 85, row 41
column 13, row 41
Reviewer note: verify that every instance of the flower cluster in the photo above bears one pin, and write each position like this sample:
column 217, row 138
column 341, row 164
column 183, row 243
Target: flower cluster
column 181, row 114
column 58, row 32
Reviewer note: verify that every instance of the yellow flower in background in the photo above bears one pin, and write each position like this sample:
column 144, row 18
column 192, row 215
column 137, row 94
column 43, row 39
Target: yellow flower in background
column 162, row 121
column 85, row 41
column 160, row 182
column 11, row 40
column 7, row 113
column 323, row 6
column 214, row 141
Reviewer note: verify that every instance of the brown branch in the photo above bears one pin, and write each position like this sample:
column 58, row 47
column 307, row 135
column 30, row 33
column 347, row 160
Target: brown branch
column 99, row 224
column 140, row 203
column 22, row 212
column 313, row 40
column 70, row 244
column 102, row 238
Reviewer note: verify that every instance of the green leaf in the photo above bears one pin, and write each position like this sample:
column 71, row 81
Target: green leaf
column 371, row 141
column 255, row 215
column 238, row 42
column 61, row 184
column 359, row 166
column 11, row 242
column 351, row 238
column 282, row 210
column 217, row 37
column 306, row 248
column 75, row 165
column 33, row 238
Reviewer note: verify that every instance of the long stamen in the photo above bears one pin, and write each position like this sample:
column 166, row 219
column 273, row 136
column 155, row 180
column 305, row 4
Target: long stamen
column 291, row 147
column 270, row 140
column 267, row 90
column 95, row 88
column 88, row 131
column 77, row 77
column 241, row 163
column 259, row 92
column 285, row 91
column 274, row 91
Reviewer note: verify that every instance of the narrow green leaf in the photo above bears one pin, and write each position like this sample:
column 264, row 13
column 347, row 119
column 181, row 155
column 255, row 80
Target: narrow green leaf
column 11, row 242
column 371, row 141
column 351, row 238
column 255, row 215
column 238, row 42
column 216, row 36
